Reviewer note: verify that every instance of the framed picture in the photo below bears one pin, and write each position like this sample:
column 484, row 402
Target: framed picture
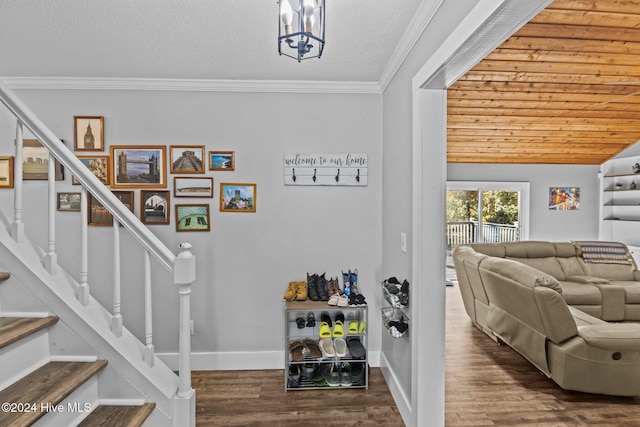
column 6, row 171
column 154, row 207
column 236, row 197
column 99, row 215
column 88, row 133
column 35, row 161
column 564, row 198
column 98, row 165
column 222, row 161
column 187, row 158
column 69, row 202
column 139, row 166
column 192, row 187
column 192, row 218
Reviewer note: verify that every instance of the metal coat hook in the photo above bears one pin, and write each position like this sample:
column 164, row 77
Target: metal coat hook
column 338, row 176
column 357, row 176
column 314, row 175
column 294, row 174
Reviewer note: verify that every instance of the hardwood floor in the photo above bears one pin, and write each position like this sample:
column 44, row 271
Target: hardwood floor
column 486, row 385
column 491, row 385
column 257, row 398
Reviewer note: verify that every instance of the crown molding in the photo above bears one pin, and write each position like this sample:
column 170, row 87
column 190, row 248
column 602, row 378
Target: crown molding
column 425, row 13
column 192, row 85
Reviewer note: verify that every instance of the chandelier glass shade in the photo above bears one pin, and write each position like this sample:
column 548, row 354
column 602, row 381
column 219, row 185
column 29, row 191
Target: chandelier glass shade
column 301, row 29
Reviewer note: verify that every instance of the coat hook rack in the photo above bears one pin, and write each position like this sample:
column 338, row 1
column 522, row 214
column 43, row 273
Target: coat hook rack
column 330, row 169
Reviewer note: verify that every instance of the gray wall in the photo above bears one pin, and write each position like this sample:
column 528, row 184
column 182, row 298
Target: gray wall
column 546, row 224
column 246, row 261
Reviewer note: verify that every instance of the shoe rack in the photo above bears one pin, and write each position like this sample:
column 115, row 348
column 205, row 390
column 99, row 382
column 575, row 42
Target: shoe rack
column 394, row 314
column 306, row 372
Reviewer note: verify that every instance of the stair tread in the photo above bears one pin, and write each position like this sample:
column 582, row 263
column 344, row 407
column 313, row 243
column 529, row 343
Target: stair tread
column 118, row 416
column 50, row 384
column 13, row 329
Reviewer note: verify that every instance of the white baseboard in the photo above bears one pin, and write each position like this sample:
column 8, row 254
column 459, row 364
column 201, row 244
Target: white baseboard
column 403, row 402
column 239, row 361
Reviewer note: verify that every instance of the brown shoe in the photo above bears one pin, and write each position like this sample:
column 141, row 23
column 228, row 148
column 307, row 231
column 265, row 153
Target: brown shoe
column 301, row 291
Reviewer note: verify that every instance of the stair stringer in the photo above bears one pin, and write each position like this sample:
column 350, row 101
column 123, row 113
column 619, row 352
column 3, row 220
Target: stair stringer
column 91, row 323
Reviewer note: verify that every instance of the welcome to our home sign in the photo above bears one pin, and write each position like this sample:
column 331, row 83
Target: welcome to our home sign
column 325, row 169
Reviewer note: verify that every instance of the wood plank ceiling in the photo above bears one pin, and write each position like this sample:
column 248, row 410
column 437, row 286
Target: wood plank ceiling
column 564, row 89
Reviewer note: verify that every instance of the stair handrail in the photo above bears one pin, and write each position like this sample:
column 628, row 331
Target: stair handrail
column 97, row 189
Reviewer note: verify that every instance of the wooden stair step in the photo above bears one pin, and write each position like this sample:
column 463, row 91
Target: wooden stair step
column 13, row 329
column 118, row 416
column 50, row 384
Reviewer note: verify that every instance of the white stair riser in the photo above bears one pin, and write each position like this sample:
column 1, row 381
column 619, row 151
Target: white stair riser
column 23, row 357
column 74, row 408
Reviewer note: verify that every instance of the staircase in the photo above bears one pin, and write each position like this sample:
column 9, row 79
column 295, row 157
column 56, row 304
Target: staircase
column 65, row 359
column 55, row 392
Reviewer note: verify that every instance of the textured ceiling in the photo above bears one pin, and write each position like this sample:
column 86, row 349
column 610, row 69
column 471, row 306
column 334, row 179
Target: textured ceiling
column 192, row 39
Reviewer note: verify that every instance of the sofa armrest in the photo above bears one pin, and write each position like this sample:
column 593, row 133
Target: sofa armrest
column 612, row 336
column 587, row 279
column 636, row 275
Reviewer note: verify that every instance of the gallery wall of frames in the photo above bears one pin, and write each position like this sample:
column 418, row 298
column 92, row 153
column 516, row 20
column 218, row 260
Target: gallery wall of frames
column 140, row 176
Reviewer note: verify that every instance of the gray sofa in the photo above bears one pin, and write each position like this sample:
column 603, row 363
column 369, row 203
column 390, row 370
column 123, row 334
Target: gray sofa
column 571, row 318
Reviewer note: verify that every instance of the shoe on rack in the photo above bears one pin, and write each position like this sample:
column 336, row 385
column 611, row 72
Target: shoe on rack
column 353, row 280
column 338, row 329
column 324, row 317
column 321, row 284
column 324, row 330
column 312, row 289
column 356, row 349
column 334, row 299
column 311, row 320
column 343, row 301
column 333, row 376
column 313, row 348
column 300, row 322
column 362, row 327
column 294, row 376
column 357, row 373
column 340, row 346
column 353, row 327
column 346, row 283
column 345, row 375
column 295, row 351
column 301, row 291
column 290, row 294
column 405, row 287
column 326, row 345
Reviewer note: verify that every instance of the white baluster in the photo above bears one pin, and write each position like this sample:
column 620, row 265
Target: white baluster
column 116, row 320
column 83, row 288
column 149, row 351
column 51, row 258
column 17, row 227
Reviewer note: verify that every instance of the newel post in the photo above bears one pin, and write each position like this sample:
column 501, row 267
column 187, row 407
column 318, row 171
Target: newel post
column 184, row 274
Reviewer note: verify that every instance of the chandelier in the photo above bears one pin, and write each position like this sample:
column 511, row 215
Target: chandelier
column 301, row 29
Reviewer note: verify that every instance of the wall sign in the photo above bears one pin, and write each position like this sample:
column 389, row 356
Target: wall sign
column 325, row 169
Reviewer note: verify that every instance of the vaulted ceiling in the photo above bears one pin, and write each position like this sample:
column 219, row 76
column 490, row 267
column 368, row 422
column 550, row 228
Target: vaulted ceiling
column 564, row 89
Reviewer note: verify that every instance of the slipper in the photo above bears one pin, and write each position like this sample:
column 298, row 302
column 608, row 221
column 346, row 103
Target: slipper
column 325, row 330
column 311, row 320
column 340, row 346
column 334, row 299
column 326, row 345
column 338, row 329
column 343, row 301
column 300, row 322
column 362, row 328
column 295, row 351
column 353, row 327
column 314, row 349
column 356, row 349
column 324, row 317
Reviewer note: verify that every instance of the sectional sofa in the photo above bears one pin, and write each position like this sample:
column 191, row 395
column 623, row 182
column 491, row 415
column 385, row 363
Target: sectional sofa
column 569, row 308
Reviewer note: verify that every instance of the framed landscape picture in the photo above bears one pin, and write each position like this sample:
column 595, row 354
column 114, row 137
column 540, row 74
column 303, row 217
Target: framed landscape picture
column 235, row 197
column 35, row 161
column 6, row 171
column 69, row 202
column 88, row 133
column 192, row 218
column 193, row 187
column 139, row 166
column 154, row 207
column 222, row 161
column 187, row 158
column 98, row 165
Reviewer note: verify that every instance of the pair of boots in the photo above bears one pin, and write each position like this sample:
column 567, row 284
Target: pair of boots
column 296, row 291
column 317, row 287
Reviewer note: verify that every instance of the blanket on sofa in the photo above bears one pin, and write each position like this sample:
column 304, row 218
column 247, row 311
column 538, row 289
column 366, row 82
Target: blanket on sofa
column 604, row 252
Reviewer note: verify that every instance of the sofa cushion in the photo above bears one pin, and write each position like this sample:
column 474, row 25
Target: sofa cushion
column 521, row 273
column 580, row 293
column 610, row 271
column 587, row 279
column 565, row 249
column 631, row 290
column 491, row 249
column 549, row 265
column 612, row 336
column 530, row 249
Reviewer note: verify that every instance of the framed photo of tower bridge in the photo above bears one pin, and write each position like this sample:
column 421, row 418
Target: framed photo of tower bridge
column 139, row 166
column 88, row 133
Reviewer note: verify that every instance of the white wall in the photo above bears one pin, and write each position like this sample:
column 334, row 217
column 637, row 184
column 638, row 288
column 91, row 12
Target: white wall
column 545, row 224
column 246, row 261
